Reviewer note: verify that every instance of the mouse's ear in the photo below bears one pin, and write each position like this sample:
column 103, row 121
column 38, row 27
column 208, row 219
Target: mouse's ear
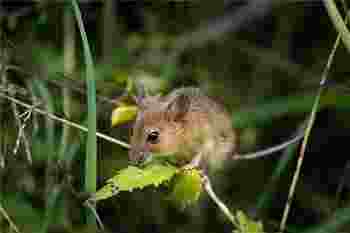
column 177, row 106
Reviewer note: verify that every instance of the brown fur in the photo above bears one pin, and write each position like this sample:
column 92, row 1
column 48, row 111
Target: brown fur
column 188, row 123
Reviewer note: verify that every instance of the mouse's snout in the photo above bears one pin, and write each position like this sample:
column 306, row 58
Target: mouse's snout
column 137, row 156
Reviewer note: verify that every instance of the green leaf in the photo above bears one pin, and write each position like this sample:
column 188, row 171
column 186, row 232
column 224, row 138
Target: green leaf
column 123, row 114
column 187, row 188
column 133, row 177
column 91, row 145
column 121, row 76
column 162, row 158
column 246, row 225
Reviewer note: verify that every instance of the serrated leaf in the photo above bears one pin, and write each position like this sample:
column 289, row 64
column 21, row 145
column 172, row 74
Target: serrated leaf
column 105, row 192
column 162, row 158
column 247, row 225
column 187, row 188
column 133, row 177
column 123, row 114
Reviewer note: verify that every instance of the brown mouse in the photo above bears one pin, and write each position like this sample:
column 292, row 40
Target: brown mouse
column 192, row 127
column 186, row 124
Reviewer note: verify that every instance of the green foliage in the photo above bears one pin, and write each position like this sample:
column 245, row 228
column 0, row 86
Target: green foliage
column 123, row 114
column 187, row 188
column 121, row 76
column 91, row 147
column 263, row 112
column 260, row 77
column 247, row 225
column 24, row 215
column 50, row 57
column 161, row 158
column 133, row 177
column 168, row 71
column 265, row 198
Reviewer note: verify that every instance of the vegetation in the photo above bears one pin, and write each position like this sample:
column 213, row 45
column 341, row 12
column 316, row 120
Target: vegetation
column 280, row 68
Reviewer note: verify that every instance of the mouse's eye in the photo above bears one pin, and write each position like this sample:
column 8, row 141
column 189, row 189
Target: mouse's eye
column 153, row 137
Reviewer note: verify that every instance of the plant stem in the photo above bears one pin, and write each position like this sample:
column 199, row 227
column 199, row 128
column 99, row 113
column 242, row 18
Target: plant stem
column 91, row 149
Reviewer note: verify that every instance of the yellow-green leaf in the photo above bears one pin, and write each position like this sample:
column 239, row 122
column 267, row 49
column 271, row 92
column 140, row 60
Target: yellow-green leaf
column 123, row 114
column 105, row 192
column 187, row 187
column 133, row 177
column 121, row 76
column 247, row 225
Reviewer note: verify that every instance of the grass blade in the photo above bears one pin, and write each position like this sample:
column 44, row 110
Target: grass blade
column 91, row 149
column 338, row 22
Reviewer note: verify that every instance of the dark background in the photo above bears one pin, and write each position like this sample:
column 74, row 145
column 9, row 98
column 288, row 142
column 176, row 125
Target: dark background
column 264, row 64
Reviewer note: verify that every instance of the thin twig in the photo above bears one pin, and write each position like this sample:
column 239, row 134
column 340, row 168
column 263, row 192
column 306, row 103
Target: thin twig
column 94, row 212
column 338, row 22
column 307, row 134
column 13, row 89
column 21, row 133
column 34, row 99
column 64, row 121
column 65, row 82
column 285, row 157
column 224, row 209
column 270, row 150
column 7, row 217
column 21, row 124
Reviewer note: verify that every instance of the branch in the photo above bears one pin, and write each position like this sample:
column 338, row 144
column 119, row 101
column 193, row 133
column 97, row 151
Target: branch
column 224, row 209
column 309, row 127
column 63, row 121
column 270, row 150
column 7, row 217
column 338, row 22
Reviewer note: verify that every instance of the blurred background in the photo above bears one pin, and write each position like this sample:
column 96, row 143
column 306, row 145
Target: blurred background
column 262, row 59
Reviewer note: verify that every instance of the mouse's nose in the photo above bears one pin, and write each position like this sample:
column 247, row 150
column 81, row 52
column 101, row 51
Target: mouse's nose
column 137, row 156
